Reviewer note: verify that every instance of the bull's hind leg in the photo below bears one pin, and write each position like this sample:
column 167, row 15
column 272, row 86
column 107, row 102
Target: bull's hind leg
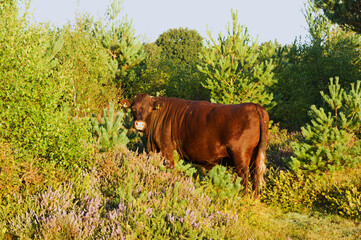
column 241, row 158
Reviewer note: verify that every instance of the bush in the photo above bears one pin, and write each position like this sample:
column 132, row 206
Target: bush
column 149, row 201
column 304, row 68
column 134, row 196
column 344, row 200
column 87, row 69
column 336, row 193
column 33, row 117
column 221, row 186
column 291, row 192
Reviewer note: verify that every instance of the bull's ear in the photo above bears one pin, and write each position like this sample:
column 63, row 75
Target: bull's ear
column 125, row 103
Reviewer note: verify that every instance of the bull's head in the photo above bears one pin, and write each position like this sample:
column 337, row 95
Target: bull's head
column 142, row 106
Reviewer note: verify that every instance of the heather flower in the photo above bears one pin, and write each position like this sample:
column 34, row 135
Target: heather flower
column 149, row 211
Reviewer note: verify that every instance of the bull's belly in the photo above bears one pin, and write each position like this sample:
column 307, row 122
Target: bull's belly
column 204, row 154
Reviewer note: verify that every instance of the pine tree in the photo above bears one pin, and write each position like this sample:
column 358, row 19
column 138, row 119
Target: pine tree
column 118, row 37
column 329, row 142
column 109, row 131
column 347, row 13
column 306, row 66
column 234, row 71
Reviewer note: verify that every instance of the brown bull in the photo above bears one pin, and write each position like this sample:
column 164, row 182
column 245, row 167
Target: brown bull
column 205, row 132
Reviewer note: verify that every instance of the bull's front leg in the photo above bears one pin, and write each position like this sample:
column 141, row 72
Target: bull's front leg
column 168, row 154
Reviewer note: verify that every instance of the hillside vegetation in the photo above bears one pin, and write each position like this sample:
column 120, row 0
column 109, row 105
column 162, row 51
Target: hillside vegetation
column 72, row 166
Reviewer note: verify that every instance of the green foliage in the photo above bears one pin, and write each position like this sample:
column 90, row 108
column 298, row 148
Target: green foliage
column 186, row 168
column 329, row 142
column 184, row 81
column 87, row 68
column 337, row 193
column 33, row 117
column 133, row 197
column 170, row 66
column 303, row 68
column 222, row 186
column 345, row 200
column 351, row 118
column 54, row 186
column 319, row 26
column 180, row 45
column 233, row 68
column 137, row 140
column 292, row 192
column 109, row 131
column 346, row 13
column 118, row 37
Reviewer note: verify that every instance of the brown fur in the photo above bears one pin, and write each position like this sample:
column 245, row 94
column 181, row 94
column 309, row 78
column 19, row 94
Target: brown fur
column 205, row 132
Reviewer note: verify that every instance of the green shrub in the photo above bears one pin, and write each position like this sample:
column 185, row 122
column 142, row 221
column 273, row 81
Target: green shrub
column 33, row 117
column 186, row 168
column 133, row 196
column 87, row 69
column 304, row 67
column 174, row 63
column 336, row 193
column 222, row 186
column 110, row 131
column 291, row 192
column 344, row 200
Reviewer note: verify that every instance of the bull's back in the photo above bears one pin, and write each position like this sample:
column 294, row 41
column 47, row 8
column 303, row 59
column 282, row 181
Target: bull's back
column 209, row 129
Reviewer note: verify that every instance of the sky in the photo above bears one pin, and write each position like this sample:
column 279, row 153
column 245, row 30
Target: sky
column 280, row 20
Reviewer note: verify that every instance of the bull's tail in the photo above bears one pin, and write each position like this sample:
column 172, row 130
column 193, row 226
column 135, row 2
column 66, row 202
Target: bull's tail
column 260, row 156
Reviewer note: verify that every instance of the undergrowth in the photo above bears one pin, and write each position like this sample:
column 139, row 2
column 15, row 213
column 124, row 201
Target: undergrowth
column 332, row 192
column 130, row 196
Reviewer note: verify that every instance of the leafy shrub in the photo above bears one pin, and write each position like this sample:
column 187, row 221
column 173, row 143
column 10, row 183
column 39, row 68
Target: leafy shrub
column 304, row 67
column 87, row 69
column 149, row 202
column 186, row 168
column 173, row 63
column 33, row 117
column 344, row 200
column 336, row 193
column 291, row 192
column 110, row 131
column 162, row 75
column 133, row 196
column 137, row 140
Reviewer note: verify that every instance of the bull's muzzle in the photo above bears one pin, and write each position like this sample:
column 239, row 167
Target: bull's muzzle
column 140, row 125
